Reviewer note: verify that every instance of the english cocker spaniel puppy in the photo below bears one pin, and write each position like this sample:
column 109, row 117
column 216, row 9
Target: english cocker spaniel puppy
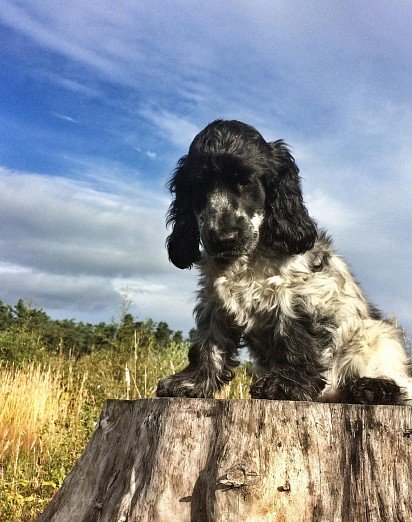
column 271, row 281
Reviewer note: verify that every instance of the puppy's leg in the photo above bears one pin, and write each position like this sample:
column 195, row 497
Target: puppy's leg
column 212, row 358
column 290, row 356
column 373, row 367
column 209, row 368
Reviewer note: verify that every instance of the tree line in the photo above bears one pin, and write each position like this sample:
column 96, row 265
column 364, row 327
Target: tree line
column 27, row 332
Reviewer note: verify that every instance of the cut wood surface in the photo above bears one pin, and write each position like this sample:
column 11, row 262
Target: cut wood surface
column 201, row 460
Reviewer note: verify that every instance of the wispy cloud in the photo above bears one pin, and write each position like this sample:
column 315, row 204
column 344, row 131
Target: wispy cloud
column 71, row 84
column 64, row 117
column 171, row 127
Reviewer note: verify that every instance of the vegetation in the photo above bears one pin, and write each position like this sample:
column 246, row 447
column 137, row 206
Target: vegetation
column 54, row 378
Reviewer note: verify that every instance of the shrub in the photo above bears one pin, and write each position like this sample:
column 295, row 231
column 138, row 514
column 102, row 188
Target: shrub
column 17, row 347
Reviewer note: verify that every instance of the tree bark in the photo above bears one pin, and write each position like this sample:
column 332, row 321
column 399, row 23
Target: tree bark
column 241, row 460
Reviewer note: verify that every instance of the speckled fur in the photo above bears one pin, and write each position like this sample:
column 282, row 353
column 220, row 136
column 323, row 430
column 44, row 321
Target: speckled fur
column 310, row 329
column 264, row 293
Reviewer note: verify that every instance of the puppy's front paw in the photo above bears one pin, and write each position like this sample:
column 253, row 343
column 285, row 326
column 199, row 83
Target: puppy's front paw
column 368, row 390
column 268, row 387
column 182, row 386
column 287, row 385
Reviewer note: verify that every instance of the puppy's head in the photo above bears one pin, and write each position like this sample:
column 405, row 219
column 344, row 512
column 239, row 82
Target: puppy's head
column 232, row 191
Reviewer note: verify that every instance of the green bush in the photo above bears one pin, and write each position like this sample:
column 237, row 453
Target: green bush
column 19, row 347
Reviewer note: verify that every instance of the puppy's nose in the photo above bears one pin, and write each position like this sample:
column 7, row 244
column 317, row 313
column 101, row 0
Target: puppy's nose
column 229, row 237
column 223, row 236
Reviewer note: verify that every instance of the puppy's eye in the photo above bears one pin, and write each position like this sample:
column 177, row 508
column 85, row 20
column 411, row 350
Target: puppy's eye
column 241, row 179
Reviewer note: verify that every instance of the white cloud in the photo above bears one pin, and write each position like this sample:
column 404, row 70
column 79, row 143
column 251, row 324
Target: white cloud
column 85, row 293
column 168, row 297
column 161, row 297
column 330, row 211
column 64, row 117
column 173, row 128
column 68, row 227
column 67, row 246
column 70, row 84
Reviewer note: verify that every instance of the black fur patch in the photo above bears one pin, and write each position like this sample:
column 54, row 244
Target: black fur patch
column 367, row 390
column 296, row 349
column 286, row 382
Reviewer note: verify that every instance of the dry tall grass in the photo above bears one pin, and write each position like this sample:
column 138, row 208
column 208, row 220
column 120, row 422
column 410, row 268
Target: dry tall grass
column 36, row 404
column 31, row 401
column 47, row 414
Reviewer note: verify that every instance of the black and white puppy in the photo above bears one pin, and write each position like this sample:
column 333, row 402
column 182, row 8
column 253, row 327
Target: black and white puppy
column 271, row 281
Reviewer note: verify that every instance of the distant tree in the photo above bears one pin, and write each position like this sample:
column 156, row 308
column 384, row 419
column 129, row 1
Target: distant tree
column 20, row 313
column 104, row 335
column 162, row 334
column 6, row 316
column 29, row 318
column 145, row 332
column 178, row 336
column 126, row 328
column 71, row 338
column 191, row 336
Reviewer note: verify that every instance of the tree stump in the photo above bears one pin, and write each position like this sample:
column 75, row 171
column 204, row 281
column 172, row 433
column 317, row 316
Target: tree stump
column 177, row 460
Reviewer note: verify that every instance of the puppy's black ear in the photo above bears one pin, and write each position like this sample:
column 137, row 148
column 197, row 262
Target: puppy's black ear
column 287, row 225
column 183, row 242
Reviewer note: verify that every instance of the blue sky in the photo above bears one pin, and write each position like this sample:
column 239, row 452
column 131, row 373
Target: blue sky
column 99, row 99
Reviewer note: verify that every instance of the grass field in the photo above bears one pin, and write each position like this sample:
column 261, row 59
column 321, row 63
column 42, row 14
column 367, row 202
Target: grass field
column 48, row 411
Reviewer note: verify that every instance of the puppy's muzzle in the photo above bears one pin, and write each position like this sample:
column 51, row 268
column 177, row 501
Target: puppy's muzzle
column 220, row 243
